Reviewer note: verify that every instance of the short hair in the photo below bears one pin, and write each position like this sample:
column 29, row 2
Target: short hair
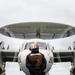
column 33, row 45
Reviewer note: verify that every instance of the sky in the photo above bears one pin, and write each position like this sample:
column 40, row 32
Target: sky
column 56, row 11
column 60, row 11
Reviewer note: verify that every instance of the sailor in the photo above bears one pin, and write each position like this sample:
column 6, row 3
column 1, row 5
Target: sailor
column 35, row 61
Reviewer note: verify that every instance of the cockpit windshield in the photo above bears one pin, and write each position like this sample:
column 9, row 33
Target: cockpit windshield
column 41, row 45
column 27, row 46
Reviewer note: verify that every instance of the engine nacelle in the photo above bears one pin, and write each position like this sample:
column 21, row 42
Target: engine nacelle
column 22, row 60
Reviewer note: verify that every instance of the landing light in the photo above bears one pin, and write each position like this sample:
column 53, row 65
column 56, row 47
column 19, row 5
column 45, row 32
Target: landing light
column 19, row 60
column 51, row 60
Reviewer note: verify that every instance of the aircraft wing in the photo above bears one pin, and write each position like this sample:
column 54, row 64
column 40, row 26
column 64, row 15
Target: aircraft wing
column 59, row 55
column 64, row 55
column 9, row 55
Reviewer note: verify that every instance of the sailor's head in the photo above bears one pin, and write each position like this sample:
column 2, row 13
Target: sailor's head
column 33, row 46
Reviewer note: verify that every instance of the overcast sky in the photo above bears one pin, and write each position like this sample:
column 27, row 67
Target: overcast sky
column 60, row 11
column 57, row 11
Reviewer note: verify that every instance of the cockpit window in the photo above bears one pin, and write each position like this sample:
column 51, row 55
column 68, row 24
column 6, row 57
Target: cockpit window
column 41, row 45
column 27, row 46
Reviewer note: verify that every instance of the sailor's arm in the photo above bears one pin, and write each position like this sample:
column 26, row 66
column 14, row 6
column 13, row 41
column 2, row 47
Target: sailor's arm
column 28, row 65
column 43, row 64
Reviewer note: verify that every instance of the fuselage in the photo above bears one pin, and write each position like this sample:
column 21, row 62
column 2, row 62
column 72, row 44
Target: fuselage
column 46, row 52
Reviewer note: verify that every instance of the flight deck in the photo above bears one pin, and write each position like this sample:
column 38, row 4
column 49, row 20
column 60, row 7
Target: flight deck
column 59, row 68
